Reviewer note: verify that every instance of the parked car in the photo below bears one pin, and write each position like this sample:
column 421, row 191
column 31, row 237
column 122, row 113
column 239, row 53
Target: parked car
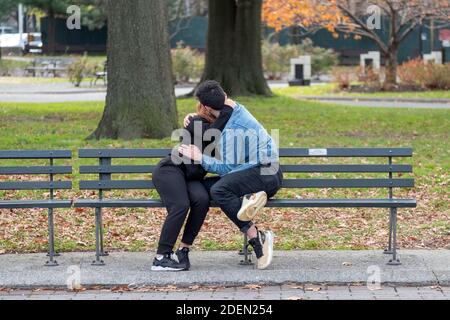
column 28, row 43
column 33, row 43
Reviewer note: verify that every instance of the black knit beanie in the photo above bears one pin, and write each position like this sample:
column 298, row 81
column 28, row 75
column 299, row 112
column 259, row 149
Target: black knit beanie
column 211, row 94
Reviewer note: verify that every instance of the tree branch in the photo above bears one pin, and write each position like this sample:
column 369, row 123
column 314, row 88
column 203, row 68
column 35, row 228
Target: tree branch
column 367, row 32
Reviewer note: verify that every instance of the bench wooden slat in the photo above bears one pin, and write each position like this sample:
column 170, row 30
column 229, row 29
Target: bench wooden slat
column 282, row 203
column 350, row 168
column 347, row 152
column 347, row 183
column 293, row 168
column 116, row 184
column 36, row 170
column 116, row 169
column 291, row 152
column 123, row 153
column 35, row 185
column 29, row 204
column 287, row 183
column 35, row 154
column 342, row 203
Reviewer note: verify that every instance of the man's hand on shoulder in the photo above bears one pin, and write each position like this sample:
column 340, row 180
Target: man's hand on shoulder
column 188, row 118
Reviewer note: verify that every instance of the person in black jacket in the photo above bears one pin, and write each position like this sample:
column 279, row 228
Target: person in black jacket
column 182, row 191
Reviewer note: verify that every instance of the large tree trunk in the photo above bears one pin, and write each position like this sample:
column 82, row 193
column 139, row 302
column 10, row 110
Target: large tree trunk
column 141, row 101
column 391, row 69
column 233, row 55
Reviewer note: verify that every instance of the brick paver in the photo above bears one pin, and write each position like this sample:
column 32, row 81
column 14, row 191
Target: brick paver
column 285, row 292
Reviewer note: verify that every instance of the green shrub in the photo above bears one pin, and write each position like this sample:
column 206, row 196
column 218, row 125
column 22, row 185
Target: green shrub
column 276, row 58
column 187, row 63
column 323, row 60
column 11, row 67
column 80, row 69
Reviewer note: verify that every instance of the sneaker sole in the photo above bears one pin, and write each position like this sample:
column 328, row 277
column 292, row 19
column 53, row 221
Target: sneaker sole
column 269, row 239
column 156, row 268
column 249, row 212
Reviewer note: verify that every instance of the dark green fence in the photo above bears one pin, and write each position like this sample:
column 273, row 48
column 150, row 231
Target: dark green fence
column 193, row 34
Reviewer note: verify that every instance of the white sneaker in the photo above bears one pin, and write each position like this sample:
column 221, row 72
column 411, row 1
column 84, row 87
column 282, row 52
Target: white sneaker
column 251, row 205
column 263, row 248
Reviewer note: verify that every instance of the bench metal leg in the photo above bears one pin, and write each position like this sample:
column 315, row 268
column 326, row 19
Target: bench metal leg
column 246, row 253
column 394, row 261
column 391, row 218
column 98, row 261
column 103, row 253
column 51, row 240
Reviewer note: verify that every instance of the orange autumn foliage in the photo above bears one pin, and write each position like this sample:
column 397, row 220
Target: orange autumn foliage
column 280, row 14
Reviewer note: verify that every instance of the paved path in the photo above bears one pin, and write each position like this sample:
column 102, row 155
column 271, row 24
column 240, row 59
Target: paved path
column 284, row 292
column 384, row 103
column 66, row 92
column 419, row 267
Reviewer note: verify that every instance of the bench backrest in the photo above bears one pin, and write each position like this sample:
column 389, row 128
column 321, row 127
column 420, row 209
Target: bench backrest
column 53, row 61
column 49, row 170
column 105, row 168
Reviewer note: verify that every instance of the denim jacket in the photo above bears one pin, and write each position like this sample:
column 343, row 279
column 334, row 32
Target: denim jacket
column 243, row 144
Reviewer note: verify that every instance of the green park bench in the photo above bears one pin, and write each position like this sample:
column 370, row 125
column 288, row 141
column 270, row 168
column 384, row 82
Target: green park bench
column 49, row 66
column 105, row 169
column 9, row 182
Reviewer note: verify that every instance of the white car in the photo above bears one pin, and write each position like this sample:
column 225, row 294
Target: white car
column 34, row 43
column 29, row 42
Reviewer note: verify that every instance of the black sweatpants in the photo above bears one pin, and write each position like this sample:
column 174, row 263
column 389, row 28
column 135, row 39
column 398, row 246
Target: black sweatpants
column 227, row 191
column 180, row 197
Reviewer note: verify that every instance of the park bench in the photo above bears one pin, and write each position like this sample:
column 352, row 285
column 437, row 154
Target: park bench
column 105, row 169
column 9, row 182
column 100, row 74
column 49, row 66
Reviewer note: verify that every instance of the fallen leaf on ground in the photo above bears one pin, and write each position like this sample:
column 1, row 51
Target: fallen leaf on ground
column 314, row 289
column 296, row 298
column 252, row 286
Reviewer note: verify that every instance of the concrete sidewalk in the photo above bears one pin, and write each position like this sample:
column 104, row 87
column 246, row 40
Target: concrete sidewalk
column 419, row 268
column 375, row 102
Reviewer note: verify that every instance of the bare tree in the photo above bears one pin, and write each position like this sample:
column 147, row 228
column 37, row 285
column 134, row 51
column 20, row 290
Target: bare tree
column 181, row 13
column 403, row 16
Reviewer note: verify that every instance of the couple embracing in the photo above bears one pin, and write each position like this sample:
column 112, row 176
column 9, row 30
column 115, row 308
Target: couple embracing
column 224, row 139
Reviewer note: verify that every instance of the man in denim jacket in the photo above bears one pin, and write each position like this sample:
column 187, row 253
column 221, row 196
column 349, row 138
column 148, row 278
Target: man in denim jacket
column 247, row 162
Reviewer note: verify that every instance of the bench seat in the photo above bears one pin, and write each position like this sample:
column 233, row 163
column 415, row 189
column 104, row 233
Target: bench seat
column 29, row 204
column 275, row 203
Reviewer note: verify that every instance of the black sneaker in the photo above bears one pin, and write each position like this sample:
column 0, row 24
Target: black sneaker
column 183, row 257
column 263, row 247
column 167, row 264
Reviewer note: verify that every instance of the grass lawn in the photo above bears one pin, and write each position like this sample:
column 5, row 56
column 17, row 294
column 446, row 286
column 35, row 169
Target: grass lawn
column 330, row 89
column 301, row 124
